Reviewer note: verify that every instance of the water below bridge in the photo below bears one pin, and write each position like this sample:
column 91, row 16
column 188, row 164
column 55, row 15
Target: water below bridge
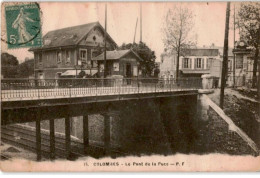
column 145, row 127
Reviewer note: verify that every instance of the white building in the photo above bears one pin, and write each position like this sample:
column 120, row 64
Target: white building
column 194, row 63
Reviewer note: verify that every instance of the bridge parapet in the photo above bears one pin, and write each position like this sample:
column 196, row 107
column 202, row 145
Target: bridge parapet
column 37, row 89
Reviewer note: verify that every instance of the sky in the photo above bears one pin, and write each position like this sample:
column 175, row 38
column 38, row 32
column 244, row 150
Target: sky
column 121, row 19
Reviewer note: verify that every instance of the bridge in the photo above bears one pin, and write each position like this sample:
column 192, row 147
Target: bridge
column 27, row 100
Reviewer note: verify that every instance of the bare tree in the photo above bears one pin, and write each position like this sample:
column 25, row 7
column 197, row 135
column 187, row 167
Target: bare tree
column 177, row 28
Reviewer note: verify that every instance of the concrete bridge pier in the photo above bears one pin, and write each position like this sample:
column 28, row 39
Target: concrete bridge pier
column 52, row 139
column 67, row 137
column 107, row 134
column 85, row 133
column 38, row 139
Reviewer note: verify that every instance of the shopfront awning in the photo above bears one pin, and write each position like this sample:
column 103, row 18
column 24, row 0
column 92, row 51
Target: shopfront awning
column 76, row 72
column 195, row 71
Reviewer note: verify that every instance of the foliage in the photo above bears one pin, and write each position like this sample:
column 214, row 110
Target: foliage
column 147, row 65
column 248, row 22
column 26, row 69
column 177, row 30
column 9, row 65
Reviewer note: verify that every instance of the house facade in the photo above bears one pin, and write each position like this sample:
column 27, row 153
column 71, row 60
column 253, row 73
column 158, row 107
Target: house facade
column 119, row 62
column 70, row 49
column 194, row 63
column 243, row 61
column 197, row 62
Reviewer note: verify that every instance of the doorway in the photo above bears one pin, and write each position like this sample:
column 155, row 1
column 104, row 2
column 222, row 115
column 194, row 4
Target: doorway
column 128, row 73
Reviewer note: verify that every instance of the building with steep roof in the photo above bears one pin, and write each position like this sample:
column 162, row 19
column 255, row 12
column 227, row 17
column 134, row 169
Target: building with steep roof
column 70, row 48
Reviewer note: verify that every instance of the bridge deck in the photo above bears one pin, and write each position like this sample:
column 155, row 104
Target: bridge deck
column 37, row 89
column 55, row 93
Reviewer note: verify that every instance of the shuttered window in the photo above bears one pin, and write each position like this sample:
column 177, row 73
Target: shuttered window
column 199, row 63
column 186, row 63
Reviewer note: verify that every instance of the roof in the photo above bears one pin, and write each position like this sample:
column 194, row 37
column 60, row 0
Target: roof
column 69, row 36
column 230, row 51
column 201, row 52
column 116, row 54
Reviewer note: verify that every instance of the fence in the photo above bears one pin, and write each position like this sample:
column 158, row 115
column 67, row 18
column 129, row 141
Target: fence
column 241, row 81
column 53, row 88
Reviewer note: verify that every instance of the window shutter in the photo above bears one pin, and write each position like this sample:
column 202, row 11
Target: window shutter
column 190, row 62
column 202, row 67
column 182, row 62
column 195, row 63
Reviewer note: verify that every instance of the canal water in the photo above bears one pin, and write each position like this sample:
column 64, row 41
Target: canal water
column 147, row 127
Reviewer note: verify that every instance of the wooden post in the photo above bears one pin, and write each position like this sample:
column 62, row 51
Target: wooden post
column 67, row 135
column 107, row 133
column 105, row 45
column 225, row 58
column 52, row 139
column 85, row 134
column 38, row 139
column 234, row 57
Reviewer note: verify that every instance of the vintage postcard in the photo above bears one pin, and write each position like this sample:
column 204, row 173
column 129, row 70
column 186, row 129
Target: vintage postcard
column 130, row 86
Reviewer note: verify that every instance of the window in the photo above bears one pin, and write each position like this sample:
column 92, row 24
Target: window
column 116, row 66
column 239, row 61
column 186, row 63
column 58, row 57
column 199, row 63
column 209, row 62
column 135, row 71
column 83, row 55
column 67, row 56
column 229, row 65
column 101, row 67
column 40, row 57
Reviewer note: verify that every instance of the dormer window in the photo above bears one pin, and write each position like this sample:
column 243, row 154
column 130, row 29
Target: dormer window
column 94, row 38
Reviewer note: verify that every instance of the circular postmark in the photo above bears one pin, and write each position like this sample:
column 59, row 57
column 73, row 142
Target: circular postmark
column 23, row 25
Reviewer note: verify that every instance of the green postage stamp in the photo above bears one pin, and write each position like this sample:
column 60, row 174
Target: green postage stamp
column 23, row 25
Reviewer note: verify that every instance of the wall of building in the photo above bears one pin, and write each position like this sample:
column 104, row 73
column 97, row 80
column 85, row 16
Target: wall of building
column 168, row 65
column 49, row 59
column 243, row 70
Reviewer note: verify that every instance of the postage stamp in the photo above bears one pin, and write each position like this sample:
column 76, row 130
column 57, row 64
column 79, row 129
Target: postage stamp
column 23, row 26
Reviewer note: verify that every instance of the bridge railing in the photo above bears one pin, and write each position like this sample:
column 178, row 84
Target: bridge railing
column 73, row 87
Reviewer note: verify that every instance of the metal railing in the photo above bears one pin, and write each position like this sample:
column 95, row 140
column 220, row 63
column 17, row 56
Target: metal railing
column 31, row 89
column 241, row 81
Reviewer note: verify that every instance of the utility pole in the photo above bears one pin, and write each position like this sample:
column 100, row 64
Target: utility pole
column 135, row 30
column 234, row 57
column 105, row 39
column 141, row 19
column 225, row 57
